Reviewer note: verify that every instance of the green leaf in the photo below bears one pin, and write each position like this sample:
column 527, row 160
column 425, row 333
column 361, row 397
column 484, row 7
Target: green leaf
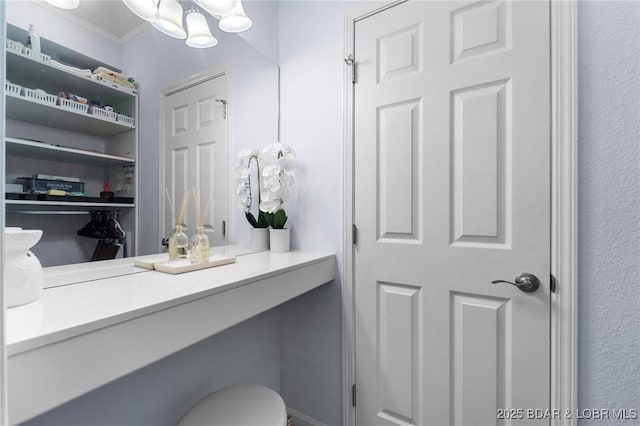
column 251, row 219
column 268, row 217
column 279, row 219
column 262, row 221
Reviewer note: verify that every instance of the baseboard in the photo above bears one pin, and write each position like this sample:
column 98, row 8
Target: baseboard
column 300, row 419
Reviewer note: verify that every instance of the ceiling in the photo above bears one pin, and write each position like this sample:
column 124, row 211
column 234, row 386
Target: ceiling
column 110, row 17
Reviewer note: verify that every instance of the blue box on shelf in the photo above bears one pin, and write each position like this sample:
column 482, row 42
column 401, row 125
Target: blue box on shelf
column 41, row 186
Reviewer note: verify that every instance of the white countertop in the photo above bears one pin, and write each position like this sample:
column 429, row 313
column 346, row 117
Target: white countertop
column 81, row 336
column 70, row 310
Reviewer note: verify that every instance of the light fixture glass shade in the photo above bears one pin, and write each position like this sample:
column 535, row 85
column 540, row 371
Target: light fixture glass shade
column 169, row 19
column 217, row 7
column 64, row 4
column 145, row 9
column 235, row 21
column 199, row 33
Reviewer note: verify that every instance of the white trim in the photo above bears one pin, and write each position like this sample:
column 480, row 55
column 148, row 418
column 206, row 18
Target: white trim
column 564, row 248
column 134, row 32
column 299, row 419
column 564, row 205
column 348, row 308
column 183, row 84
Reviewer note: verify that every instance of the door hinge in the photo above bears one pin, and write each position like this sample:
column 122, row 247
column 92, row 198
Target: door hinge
column 353, row 395
column 552, row 281
column 351, row 62
column 354, row 234
column 224, row 103
column 224, row 229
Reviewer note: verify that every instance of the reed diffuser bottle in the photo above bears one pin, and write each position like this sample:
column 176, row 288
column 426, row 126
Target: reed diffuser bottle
column 200, row 248
column 179, row 242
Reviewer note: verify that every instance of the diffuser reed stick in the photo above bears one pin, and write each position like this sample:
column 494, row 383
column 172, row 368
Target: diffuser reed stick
column 183, row 208
column 171, row 205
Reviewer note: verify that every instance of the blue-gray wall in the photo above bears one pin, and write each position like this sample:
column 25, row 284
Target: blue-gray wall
column 609, row 210
column 159, row 394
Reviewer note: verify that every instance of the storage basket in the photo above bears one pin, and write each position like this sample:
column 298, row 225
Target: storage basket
column 73, row 105
column 14, row 46
column 28, row 52
column 39, row 96
column 12, row 89
column 103, row 113
column 124, row 119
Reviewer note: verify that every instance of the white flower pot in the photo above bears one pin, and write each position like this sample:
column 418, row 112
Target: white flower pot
column 260, row 239
column 23, row 269
column 280, row 240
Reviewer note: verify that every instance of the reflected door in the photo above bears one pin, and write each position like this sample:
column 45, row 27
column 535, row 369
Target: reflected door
column 452, row 175
column 196, row 154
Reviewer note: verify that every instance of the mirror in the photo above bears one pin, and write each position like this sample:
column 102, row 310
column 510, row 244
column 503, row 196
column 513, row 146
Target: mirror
column 45, row 142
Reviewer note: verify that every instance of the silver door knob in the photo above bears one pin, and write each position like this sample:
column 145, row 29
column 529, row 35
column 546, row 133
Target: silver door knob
column 524, row 281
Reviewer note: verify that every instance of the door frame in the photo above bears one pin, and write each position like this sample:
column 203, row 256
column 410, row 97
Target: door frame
column 564, row 211
column 169, row 90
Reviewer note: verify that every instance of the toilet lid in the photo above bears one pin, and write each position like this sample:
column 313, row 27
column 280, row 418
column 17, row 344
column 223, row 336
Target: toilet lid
column 249, row 405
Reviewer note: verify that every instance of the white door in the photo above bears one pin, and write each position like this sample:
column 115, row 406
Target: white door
column 196, row 154
column 452, row 176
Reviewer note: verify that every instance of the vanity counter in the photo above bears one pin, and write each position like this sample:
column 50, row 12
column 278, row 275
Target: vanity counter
column 81, row 336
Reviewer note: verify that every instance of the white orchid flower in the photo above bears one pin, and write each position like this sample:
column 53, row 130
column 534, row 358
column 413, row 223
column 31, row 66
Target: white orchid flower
column 278, row 176
column 269, row 206
column 247, row 153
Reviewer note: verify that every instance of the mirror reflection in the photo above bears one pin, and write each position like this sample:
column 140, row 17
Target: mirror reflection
column 106, row 116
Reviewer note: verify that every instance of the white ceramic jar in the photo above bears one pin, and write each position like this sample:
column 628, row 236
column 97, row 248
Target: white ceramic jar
column 280, row 240
column 260, row 239
column 23, row 275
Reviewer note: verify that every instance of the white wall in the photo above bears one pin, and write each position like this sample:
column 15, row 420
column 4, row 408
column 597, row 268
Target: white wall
column 311, row 52
column 609, row 211
column 263, row 35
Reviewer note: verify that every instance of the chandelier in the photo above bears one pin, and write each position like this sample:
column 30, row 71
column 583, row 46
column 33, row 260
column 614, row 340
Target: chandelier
column 167, row 16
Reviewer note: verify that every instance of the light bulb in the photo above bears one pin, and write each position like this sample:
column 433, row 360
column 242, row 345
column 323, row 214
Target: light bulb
column 199, row 33
column 169, row 19
column 236, row 21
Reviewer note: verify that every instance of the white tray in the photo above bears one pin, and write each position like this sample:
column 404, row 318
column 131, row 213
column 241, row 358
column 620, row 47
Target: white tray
column 185, row 265
column 147, row 262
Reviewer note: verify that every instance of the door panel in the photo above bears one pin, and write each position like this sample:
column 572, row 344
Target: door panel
column 398, row 188
column 451, row 192
column 196, row 154
column 480, row 118
column 206, row 180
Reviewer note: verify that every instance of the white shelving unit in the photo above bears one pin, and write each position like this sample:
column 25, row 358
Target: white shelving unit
column 24, row 109
column 43, row 151
column 110, row 145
